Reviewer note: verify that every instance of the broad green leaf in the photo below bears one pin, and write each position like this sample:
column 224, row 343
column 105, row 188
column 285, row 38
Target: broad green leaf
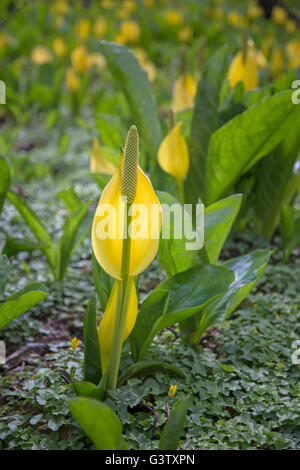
column 133, row 81
column 69, row 240
column 4, row 270
column 247, row 271
column 103, row 282
column 87, row 389
column 218, row 220
column 19, row 303
column 205, row 121
column 92, row 362
column 146, row 367
column 37, row 228
column 173, row 254
column 240, row 143
column 70, row 199
column 15, row 245
column 289, row 230
column 4, row 180
column 173, row 429
column 189, row 292
column 273, row 175
column 101, row 180
column 99, row 422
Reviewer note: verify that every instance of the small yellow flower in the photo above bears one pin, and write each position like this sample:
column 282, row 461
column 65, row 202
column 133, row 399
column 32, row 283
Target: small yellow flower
column 290, row 26
column 174, row 18
column 100, row 28
column 83, row 29
column 60, row 6
column 279, row 15
column 129, row 32
column 172, row 391
column 59, row 47
column 74, row 343
column 150, row 68
column 107, row 4
column 99, row 164
column 236, row 20
column 185, row 34
column 41, row 55
column 72, row 80
column 79, row 59
column 254, row 11
column 277, row 61
column 173, row 154
column 293, row 53
column 183, row 94
column 96, row 60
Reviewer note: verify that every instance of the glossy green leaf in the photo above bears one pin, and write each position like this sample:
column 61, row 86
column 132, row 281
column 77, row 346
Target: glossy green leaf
column 37, row 228
column 189, row 292
column 99, row 422
column 289, row 230
column 205, row 121
column 4, row 271
column 173, row 429
column 133, row 81
column 88, row 389
column 19, row 303
column 218, row 220
column 15, row 245
column 70, row 199
column 147, row 367
column 103, row 282
column 240, row 143
column 4, row 180
column 92, row 361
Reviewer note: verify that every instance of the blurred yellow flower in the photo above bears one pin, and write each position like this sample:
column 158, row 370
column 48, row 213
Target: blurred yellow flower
column 254, row 11
column 99, row 164
column 172, row 391
column 129, row 33
column 174, row 18
column 245, row 69
column 266, row 45
column 277, row 61
column 100, row 28
column 185, row 34
column 290, row 26
column 79, row 59
column 293, row 53
column 173, row 154
column 41, row 55
column 279, row 15
column 150, row 68
column 74, row 343
column 183, row 93
column 149, row 3
column 97, row 60
column 83, row 29
column 236, row 19
column 107, row 4
column 60, row 6
column 72, row 80
column 59, row 47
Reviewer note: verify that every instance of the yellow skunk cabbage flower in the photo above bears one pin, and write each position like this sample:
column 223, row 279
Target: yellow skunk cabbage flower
column 173, row 154
column 279, row 15
column 106, row 327
column 174, row 18
column 150, row 68
column 184, row 91
column 245, row 69
column 59, row 47
column 277, row 61
column 108, row 223
column 83, row 29
column 290, row 26
column 79, row 59
column 129, row 32
column 293, row 53
column 72, row 80
column 41, row 55
column 100, row 28
column 235, row 19
column 99, row 164
column 185, row 34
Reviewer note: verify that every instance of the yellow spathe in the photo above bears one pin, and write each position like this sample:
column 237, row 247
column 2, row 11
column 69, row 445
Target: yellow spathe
column 173, row 154
column 184, row 91
column 106, row 327
column 245, row 69
column 99, row 164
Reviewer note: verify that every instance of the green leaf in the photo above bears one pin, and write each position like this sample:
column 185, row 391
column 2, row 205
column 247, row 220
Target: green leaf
column 70, row 199
column 4, row 180
column 87, row 389
column 218, row 220
column 205, row 121
column 247, row 271
column 37, row 228
column 240, row 143
column 4, row 270
column 173, row 254
column 273, row 175
column 133, row 81
column 172, row 431
column 101, row 180
column 70, row 239
column 15, row 245
column 92, row 362
column 99, row 422
column 19, row 303
column 103, row 282
column 146, row 367
column 289, row 230
column 189, row 292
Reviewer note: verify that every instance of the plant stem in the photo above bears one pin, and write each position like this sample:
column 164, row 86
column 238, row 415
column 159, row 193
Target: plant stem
column 124, row 289
column 181, row 191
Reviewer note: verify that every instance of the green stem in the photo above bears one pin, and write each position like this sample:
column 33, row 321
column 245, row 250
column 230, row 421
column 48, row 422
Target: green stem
column 181, row 191
column 124, row 288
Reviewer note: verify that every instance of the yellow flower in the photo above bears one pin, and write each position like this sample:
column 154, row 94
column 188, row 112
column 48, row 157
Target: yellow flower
column 74, row 343
column 60, row 6
column 173, row 154
column 149, row 4
column 107, row 4
column 279, row 15
column 129, row 33
column 184, row 91
column 72, row 80
column 150, row 68
column 254, row 11
column 100, row 28
column 97, row 60
column 83, row 29
column 41, row 55
column 174, row 18
column 277, row 61
column 290, row 26
column 108, row 224
column 59, row 47
column 99, row 164
column 185, row 34
column 245, row 69
column 172, row 391
column 266, row 45
column 79, row 59
column 293, row 53
column 106, row 327
column 236, row 20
